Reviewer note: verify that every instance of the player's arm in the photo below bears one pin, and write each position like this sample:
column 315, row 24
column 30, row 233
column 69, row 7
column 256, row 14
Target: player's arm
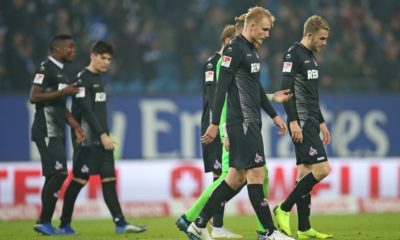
column 230, row 62
column 80, row 135
column 288, row 77
column 38, row 93
column 84, row 101
column 326, row 135
column 267, row 107
column 280, row 96
column 209, row 88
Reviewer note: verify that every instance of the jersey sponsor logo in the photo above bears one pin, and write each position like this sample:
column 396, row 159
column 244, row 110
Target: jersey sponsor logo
column 100, row 97
column 81, row 93
column 255, row 67
column 209, row 76
column 312, row 74
column 61, row 86
column 226, row 61
column 287, row 66
column 312, row 152
column 258, row 158
column 38, row 78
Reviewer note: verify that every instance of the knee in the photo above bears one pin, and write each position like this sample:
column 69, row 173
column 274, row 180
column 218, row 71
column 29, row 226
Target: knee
column 321, row 173
column 108, row 179
column 80, row 180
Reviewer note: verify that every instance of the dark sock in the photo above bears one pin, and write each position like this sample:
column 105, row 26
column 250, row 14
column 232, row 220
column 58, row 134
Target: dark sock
column 111, row 199
column 261, row 207
column 217, row 198
column 186, row 220
column 70, row 196
column 303, row 212
column 303, row 187
column 50, row 193
column 218, row 218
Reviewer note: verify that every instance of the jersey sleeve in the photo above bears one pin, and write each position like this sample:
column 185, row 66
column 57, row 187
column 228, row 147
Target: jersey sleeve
column 230, row 60
column 266, row 104
column 289, row 68
column 42, row 76
column 83, row 100
column 222, row 122
column 209, row 84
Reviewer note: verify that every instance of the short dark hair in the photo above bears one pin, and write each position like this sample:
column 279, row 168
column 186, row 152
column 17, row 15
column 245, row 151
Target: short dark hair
column 57, row 39
column 101, row 47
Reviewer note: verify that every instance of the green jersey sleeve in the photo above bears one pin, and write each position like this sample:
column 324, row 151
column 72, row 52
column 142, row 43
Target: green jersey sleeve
column 222, row 122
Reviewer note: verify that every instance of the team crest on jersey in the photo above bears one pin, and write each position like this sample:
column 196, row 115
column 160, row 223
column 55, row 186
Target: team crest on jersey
column 312, row 152
column 226, row 61
column 81, row 93
column 287, row 66
column 258, row 158
column 84, row 169
column 217, row 165
column 100, row 97
column 58, row 166
column 38, row 78
column 255, row 67
column 209, row 76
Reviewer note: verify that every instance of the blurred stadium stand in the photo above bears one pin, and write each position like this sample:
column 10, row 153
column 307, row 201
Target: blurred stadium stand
column 162, row 44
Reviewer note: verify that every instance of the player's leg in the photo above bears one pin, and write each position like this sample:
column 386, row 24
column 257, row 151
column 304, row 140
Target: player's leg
column 219, row 231
column 312, row 152
column 303, row 205
column 54, row 168
column 260, row 228
column 233, row 181
column 108, row 183
column 81, row 173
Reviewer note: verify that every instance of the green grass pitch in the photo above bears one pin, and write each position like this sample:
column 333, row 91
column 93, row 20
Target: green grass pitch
column 344, row 227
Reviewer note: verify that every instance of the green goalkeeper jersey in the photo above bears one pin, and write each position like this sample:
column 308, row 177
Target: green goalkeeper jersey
column 222, row 121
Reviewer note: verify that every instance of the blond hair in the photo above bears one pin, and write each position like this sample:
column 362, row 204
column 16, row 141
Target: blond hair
column 228, row 32
column 256, row 13
column 315, row 23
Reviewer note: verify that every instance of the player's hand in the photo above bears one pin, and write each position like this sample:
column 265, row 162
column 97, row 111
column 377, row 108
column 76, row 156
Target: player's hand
column 108, row 142
column 282, row 96
column 210, row 134
column 80, row 135
column 70, row 90
column 280, row 124
column 226, row 143
column 326, row 135
column 297, row 132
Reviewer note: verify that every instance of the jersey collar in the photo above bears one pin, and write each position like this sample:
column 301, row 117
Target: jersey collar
column 60, row 65
column 246, row 41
